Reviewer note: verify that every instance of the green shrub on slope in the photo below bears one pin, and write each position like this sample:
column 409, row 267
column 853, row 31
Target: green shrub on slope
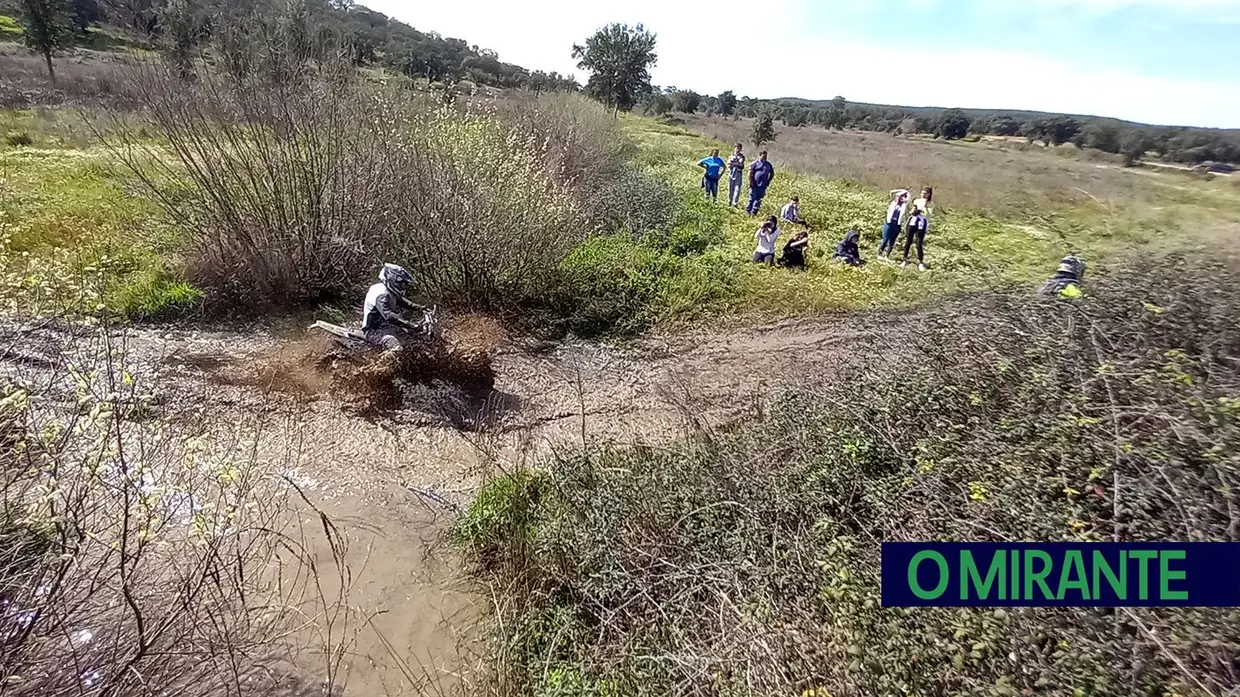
column 746, row 563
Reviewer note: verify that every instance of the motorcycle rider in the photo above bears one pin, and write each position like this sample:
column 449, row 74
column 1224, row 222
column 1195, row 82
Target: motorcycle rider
column 383, row 323
column 1068, row 278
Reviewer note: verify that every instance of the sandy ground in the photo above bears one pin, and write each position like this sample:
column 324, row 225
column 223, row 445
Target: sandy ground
column 394, row 478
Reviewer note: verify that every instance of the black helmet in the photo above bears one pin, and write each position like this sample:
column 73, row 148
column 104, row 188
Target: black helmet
column 1071, row 266
column 396, row 279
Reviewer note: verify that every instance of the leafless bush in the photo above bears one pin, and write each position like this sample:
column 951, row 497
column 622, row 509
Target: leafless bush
column 278, row 183
column 295, row 181
column 138, row 558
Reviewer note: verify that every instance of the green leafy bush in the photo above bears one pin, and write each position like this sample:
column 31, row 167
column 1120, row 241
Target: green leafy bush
column 9, row 28
column 746, row 562
column 617, row 286
column 631, row 203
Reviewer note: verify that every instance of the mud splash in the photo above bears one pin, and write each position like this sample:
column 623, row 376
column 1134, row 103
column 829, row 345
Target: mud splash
column 450, row 381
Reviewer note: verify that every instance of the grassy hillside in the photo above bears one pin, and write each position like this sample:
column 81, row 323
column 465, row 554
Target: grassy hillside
column 745, row 561
column 1018, row 114
column 1003, row 219
column 985, row 242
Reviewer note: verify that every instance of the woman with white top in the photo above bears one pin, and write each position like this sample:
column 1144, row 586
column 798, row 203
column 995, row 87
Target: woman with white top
column 766, row 236
column 891, row 228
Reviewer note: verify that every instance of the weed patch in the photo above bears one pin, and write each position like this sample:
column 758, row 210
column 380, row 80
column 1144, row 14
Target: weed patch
column 746, row 562
column 72, row 232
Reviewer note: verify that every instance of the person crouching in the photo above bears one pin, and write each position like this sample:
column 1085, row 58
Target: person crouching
column 794, row 252
column 849, row 249
column 766, row 236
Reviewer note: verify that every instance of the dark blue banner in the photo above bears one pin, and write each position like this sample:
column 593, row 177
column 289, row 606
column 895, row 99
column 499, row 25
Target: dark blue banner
column 1061, row 574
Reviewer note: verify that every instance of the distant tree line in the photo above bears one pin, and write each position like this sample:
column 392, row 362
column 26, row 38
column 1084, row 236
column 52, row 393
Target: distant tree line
column 1132, row 140
column 181, row 28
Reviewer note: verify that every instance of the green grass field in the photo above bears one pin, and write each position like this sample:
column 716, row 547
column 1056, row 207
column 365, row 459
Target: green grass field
column 67, row 207
column 74, row 231
column 966, row 249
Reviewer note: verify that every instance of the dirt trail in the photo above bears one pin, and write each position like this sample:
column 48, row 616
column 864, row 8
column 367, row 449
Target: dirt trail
column 395, row 478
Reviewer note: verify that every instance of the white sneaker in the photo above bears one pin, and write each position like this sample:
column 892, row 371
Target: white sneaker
column 903, row 264
column 921, row 267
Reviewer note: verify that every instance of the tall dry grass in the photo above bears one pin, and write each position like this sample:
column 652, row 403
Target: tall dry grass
column 83, row 79
column 1003, row 178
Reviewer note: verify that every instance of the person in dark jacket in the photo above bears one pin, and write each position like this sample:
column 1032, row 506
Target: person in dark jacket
column 761, row 173
column 1068, row 278
column 915, row 231
column 794, row 252
column 849, row 249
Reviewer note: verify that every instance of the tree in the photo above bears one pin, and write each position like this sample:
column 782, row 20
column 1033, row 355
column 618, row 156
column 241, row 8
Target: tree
column 659, row 104
column 953, row 125
column 618, row 58
column 837, row 114
column 85, row 13
column 1064, row 129
column 796, row 117
column 1102, row 136
column 1005, row 126
column 687, row 101
column 1055, row 130
column 763, row 129
column 184, row 29
column 727, row 103
column 1134, row 146
column 49, row 28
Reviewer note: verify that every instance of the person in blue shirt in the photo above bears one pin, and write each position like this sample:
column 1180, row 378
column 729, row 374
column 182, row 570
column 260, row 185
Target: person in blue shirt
column 714, row 169
column 761, row 172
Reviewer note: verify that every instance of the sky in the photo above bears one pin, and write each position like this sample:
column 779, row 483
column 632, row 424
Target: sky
column 1154, row 61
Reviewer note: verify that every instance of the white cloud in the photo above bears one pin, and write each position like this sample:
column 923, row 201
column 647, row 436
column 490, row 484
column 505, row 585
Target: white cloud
column 718, row 46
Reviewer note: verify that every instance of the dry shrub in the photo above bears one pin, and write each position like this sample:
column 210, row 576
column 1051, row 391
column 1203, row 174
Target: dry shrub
column 135, row 558
column 478, row 219
column 294, row 182
column 746, row 562
column 276, row 178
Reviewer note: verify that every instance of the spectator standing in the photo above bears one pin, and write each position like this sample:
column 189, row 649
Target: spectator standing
column 736, row 176
column 766, row 236
column 925, row 204
column 895, row 214
column 761, row 173
column 713, row 167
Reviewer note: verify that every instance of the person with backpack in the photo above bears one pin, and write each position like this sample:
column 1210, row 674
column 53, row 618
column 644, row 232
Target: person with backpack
column 761, row 173
column 736, row 176
column 713, row 167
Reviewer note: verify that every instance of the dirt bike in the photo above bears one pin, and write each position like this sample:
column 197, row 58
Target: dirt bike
column 421, row 355
column 356, row 339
